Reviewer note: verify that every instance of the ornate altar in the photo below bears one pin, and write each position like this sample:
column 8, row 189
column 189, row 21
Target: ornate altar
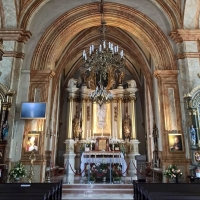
column 103, row 157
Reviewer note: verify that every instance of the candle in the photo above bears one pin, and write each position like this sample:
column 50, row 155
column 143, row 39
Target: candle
column 93, row 134
column 90, row 134
column 87, row 134
column 113, row 133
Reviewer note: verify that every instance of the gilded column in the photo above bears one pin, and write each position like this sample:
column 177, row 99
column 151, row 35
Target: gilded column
column 119, row 118
column 133, row 124
column 71, row 112
column 84, row 118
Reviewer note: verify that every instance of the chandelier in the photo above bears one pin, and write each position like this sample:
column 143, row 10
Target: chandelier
column 99, row 61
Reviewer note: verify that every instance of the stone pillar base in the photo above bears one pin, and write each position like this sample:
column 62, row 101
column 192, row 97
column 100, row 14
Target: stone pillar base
column 69, row 160
column 133, row 163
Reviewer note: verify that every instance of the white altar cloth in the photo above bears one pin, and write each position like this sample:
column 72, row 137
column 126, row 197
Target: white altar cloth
column 86, row 158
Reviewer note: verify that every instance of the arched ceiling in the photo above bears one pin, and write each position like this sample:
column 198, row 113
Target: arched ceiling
column 140, row 27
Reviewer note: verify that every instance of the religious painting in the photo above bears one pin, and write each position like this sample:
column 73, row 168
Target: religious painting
column 175, row 142
column 32, row 142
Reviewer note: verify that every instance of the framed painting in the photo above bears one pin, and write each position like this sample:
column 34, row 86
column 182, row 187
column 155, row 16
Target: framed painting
column 32, row 141
column 175, row 142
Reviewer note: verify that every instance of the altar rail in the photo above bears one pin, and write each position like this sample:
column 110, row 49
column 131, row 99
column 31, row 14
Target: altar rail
column 164, row 191
column 32, row 191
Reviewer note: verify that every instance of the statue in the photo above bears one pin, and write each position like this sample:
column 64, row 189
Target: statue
column 127, row 126
column 76, row 123
column 121, row 77
column 91, row 80
column 5, row 130
column 111, row 78
column 72, row 83
column 193, row 135
column 155, row 136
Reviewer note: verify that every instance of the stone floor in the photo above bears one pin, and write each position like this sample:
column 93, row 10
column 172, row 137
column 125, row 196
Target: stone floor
column 81, row 189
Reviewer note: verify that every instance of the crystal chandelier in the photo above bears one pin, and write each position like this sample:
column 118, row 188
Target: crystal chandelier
column 101, row 95
column 100, row 60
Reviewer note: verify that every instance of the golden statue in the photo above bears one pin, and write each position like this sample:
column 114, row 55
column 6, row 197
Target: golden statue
column 127, row 126
column 111, row 78
column 76, row 123
column 91, row 80
column 121, row 77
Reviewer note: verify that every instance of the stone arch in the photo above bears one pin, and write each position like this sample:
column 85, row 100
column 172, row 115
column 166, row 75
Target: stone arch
column 54, row 40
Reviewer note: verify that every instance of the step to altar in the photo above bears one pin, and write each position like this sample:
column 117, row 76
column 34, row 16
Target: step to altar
column 97, row 191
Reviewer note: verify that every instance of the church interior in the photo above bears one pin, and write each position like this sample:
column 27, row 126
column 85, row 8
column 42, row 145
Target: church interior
column 99, row 81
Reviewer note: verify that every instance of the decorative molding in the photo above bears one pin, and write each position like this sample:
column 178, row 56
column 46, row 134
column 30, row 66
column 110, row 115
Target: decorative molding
column 188, row 55
column 185, row 35
column 18, row 35
column 41, row 75
column 14, row 54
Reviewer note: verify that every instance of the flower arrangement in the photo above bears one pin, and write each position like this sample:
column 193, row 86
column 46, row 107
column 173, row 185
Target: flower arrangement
column 91, row 171
column 18, row 171
column 172, row 171
column 117, row 170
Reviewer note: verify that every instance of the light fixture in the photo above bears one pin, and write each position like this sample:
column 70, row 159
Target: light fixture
column 100, row 60
column 101, row 95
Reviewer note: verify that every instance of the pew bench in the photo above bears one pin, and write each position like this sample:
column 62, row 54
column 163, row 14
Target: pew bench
column 151, row 191
column 47, row 191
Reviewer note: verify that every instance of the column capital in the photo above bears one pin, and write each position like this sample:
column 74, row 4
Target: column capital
column 18, row 35
column 41, row 76
column 166, row 74
column 181, row 35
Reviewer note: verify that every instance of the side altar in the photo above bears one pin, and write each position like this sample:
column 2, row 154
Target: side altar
column 107, row 157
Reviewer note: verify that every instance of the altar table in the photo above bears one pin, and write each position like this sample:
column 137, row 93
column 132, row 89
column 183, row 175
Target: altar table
column 99, row 157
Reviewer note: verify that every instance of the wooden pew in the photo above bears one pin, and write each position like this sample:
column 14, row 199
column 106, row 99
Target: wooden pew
column 149, row 191
column 22, row 196
column 50, row 191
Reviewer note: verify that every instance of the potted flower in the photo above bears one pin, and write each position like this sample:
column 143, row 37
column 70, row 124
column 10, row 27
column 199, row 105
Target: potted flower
column 103, row 168
column 117, row 173
column 17, row 172
column 173, row 172
column 91, row 172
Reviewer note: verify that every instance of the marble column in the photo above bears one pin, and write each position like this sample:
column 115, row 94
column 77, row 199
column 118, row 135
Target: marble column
column 132, row 89
column 69, row 156
column 133, row 163
column 69, row 161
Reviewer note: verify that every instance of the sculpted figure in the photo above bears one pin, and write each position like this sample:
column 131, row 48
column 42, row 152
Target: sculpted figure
column 76, row 123
column 121, row 77
column 72, row 83
column 91, row 80
column 127, row 126
column 111, row 78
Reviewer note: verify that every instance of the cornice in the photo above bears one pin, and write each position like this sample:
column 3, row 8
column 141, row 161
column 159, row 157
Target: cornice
column 18, row 35
column 185, row 35
column 188, row 55
column 165, row 73
column 14, row 54
column 41, row 75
